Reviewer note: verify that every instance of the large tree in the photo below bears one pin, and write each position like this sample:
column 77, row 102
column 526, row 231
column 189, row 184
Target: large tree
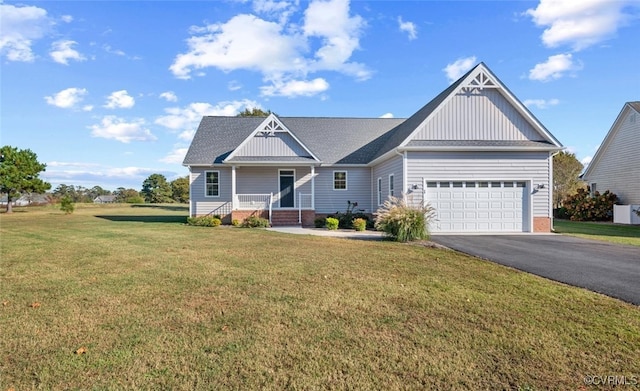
column 180, row 189
column 254, row 112
column 156, row 189
column 19, row 173
column 566, row 176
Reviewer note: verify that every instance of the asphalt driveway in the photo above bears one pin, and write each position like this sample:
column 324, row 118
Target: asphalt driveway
column 611, row 269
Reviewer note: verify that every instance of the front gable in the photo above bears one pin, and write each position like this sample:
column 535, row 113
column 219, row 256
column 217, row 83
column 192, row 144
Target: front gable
column 271, row 141
column 480, row 108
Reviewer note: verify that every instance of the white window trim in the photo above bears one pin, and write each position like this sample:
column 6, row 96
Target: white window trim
column 379, row 190
column 392, row 188
column 206, row 184
column 346, row 180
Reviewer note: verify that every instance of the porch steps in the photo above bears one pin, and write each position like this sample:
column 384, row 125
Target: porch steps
column 284, row 217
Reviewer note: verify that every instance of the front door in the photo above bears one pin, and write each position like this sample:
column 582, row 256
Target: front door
column 287, row 180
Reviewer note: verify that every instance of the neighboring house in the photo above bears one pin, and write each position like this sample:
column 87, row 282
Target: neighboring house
column 616, row 164
column 26, row 199
column 104, row 199
column 474, row 152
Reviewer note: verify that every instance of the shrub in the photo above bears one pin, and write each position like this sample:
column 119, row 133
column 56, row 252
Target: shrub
column 332, row 223
column 345, row 220
column 582, row 206
column 204, row 221
column 67, row 205
column 235, row 222
column 255, row 222
column 319, row 222
column 359, row 224
column 561, row 213
column 402, row 222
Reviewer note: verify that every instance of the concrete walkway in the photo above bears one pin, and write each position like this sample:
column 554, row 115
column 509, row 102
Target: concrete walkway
column 340, row 233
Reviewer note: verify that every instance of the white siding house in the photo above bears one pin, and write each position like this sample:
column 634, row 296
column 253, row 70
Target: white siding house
column 616, row 164
column 474, row 152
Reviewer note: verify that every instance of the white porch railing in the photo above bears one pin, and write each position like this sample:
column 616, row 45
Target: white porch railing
column 305, row 201
column 253, row 201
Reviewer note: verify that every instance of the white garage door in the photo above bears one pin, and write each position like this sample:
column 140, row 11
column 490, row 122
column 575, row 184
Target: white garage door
column 477, row 206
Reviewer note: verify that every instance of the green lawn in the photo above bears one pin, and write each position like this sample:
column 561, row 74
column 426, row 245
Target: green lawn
column 156, row 304
column 615, row 233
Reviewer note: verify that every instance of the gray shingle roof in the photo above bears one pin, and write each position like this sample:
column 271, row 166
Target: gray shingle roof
column 332, row 140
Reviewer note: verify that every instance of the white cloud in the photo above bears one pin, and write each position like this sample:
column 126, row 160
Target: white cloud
column 295, row 88
column 244, row 42
column 340, row 32
column 66, row 18
column 114, row 128
column 541, row 103
column 186, row 119
column 279, row 50
column 19, row 28
column 120, row 100
column 67, row 99
column 409, row 28
column 109, row 49
column 234, row 85
column 169, row 96
column 554, row 68
column 387, row 115
column 586, row 160
column 187, row 135
column 579, row 24
column 62, row 51
column 175, row 156
column 459, row 67
column 87, row 108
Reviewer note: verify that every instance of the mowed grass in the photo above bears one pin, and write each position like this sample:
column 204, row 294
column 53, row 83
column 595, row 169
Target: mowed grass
column 615, row 233
column 156, row 304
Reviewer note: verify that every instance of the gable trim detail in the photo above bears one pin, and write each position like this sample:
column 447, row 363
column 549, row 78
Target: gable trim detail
column 481, row 77
column 269, row 126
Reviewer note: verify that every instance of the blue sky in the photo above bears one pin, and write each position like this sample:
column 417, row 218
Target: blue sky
column 109, row 92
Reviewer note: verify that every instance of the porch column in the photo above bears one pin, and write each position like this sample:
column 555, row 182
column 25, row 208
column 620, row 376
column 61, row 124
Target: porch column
column 233, row 188
column 313, row 187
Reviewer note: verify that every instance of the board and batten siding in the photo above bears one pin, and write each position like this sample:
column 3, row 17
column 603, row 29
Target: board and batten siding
column 482, row 166
column 478, row 115
column 277, row 144
column 618, row 167
column 358, row 190
column 390, row 166
column 202, row 205
column 265, row 180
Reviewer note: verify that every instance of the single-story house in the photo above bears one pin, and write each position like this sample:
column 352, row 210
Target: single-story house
column 616, row 164
column 26, row 199
column 475, row 152
column 104, row 199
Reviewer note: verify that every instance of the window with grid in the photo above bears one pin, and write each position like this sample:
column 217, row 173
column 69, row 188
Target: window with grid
column 339, row 180
column 212, row 186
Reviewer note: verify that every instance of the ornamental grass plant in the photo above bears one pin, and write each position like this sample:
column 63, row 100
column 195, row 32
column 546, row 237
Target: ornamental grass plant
column 404, row 222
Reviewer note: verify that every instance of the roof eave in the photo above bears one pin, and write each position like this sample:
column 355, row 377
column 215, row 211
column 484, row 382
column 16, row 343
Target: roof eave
column 480, row 148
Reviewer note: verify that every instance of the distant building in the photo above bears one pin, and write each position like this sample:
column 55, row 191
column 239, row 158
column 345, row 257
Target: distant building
column 104, row 199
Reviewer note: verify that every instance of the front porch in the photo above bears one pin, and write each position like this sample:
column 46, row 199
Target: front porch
column 285, row 193
column 268, row 206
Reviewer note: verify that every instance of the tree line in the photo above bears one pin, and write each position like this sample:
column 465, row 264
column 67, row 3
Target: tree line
column 20, row 175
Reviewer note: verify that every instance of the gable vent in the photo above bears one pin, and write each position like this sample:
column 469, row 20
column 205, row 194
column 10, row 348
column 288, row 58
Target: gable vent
column 482, row 80
column 272, row 126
